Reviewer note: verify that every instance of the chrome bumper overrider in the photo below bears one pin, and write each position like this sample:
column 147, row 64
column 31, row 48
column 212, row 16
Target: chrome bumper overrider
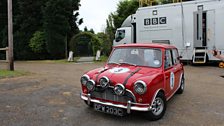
column 129, row 107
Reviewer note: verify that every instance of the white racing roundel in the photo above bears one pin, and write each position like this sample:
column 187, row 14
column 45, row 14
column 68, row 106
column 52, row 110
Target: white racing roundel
column 172, row 80
column 119, row 70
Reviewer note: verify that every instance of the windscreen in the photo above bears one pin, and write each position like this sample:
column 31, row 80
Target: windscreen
column 150, row 57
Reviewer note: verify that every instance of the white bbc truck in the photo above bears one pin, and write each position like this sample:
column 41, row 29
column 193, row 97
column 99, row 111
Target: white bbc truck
column 194, row 27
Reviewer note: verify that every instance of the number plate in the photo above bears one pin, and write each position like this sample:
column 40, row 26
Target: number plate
column 109, row 109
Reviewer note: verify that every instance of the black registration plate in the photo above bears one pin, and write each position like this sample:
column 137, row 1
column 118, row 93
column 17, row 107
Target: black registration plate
column 109, row 109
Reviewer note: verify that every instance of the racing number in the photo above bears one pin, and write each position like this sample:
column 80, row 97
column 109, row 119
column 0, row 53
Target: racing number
column 172, row 80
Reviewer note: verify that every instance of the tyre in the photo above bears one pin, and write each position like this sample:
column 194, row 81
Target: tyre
column 90, row 105
column 158, row 108
column 182, row 85
column 221, row 64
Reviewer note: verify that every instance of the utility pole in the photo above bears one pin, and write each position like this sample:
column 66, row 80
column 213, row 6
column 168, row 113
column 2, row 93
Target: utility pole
column 10, row 37
column 66, row 47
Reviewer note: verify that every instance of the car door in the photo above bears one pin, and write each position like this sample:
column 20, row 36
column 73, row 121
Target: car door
column 169, row 73
column 177, row 68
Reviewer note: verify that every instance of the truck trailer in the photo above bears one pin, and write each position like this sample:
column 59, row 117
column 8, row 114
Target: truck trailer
column 194, row 27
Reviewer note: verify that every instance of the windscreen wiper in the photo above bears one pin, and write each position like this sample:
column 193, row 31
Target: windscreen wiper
column 128, row 63
column 114, row 63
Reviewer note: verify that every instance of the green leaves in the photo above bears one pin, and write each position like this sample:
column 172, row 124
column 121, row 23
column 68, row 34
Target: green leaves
column 124, row 9
column 53, row 17
column 37, row 42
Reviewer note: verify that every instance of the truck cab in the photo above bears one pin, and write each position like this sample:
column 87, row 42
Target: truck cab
column 123, row 36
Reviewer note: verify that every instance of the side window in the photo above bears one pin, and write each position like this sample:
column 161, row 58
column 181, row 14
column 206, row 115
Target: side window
column 168, row 59
column 175, row 56
column 120, row 34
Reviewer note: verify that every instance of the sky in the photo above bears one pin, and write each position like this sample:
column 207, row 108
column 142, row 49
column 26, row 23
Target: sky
column 95, row 13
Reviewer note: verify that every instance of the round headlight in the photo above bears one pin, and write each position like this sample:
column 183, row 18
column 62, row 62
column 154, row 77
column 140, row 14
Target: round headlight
column 90, row 85
column 140, row 87
column 119, row 89
column 84, row 79
column 104, row 82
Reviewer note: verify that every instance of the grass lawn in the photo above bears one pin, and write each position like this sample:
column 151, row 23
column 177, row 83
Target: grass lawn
column 8, row 74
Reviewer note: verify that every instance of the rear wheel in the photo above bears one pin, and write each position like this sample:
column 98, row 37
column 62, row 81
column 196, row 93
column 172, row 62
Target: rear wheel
column 158, row 108
column 182, row 85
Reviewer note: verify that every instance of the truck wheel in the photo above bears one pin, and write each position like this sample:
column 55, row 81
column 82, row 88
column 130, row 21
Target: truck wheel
column 182, row 85
column 90, row 105
column 158, row 108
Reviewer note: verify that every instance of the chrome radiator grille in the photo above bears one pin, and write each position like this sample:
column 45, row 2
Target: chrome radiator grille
column 108, row 94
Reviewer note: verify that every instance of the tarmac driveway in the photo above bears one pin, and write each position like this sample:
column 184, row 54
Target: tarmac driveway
column 50, row 97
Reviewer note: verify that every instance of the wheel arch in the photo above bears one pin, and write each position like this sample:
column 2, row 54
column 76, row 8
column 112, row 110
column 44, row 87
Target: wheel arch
column 156, row 93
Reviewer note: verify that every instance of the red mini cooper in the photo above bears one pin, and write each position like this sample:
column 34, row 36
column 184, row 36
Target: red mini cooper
column 137, row 77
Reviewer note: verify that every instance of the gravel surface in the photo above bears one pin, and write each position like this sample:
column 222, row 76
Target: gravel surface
column 50, row 97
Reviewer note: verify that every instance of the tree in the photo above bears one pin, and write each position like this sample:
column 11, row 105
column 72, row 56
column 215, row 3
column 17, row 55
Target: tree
column 59, row 25
column 124, row 9
column 106, row 43
column 27, row 20
column 85, row 29
column 73, row 19
column 110, row 30
column 55, row 16
column 3, row 24
column 115, row 20
column 4, row 21
column 92, row 31
column 31, row 16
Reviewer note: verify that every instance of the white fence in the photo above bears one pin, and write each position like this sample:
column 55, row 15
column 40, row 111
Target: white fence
column 7, row 54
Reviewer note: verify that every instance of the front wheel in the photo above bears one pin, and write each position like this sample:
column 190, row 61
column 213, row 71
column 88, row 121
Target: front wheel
column 90, row 105
column 158, row 108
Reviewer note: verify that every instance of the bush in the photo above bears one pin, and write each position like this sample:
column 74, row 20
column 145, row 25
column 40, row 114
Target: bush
column 37, row 42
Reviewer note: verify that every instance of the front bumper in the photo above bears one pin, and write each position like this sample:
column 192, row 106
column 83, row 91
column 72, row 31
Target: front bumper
column 130, row 105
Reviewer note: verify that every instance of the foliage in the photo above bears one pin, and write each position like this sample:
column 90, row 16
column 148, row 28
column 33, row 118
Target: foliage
column 27, row 20
column 37, row 42
column 104, row 58
column 86, row 30
column 106, row 43
column 158, row 2
column 54, row 17
column 85, row 43
column 3, row 24
column 110, row 30
column 92, row 31
column 115, row 20
column 124, row 9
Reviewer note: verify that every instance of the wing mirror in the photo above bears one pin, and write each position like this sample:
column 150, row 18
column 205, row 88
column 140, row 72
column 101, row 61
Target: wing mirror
column 179, row 57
